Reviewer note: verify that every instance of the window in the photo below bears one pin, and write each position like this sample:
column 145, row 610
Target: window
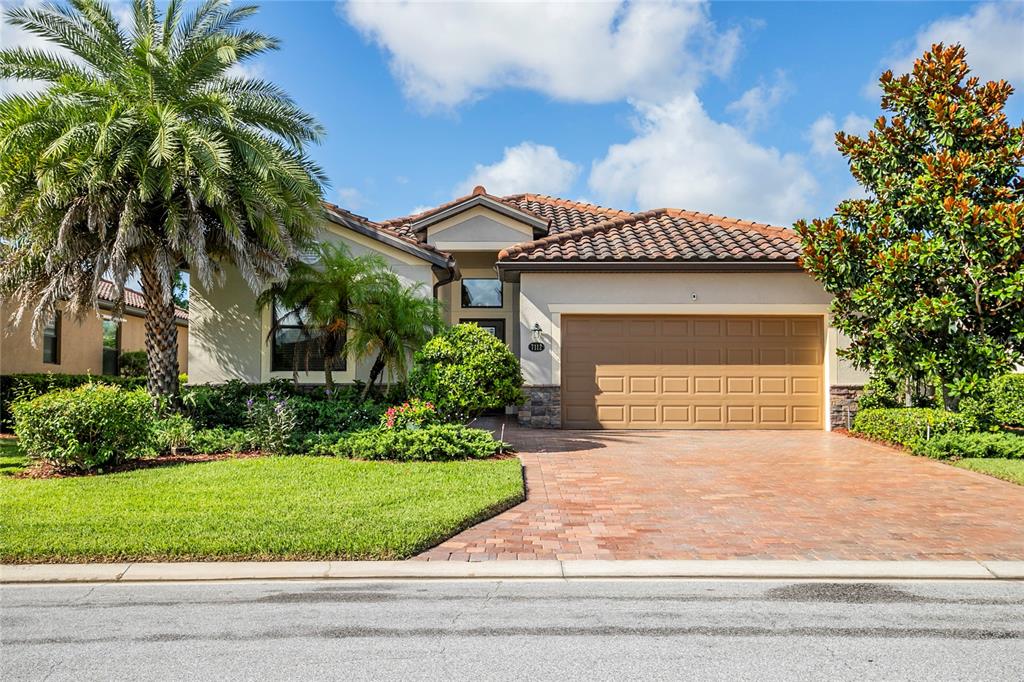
column 111, row 347
column 51, row 341
column 481, row 293
column 292, row 347
column 495, row 327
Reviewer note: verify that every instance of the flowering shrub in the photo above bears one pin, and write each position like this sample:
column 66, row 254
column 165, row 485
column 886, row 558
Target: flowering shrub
column 412, row 414
column 272, row 422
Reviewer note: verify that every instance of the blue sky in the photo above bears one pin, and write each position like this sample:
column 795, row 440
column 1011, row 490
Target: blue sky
column 721, row 107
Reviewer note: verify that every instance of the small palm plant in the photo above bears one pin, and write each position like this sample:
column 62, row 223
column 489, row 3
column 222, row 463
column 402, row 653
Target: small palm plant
column 145, row 152
column 393, row 320
column 322, row 295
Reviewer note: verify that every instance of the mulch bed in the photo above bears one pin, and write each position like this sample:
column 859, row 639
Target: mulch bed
column 46, row 470
column 877, row 441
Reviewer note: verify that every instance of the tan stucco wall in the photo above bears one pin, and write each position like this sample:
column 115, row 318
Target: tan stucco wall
column 228, row 337
column 81, row 345
column 133, row 337
column 545, row 297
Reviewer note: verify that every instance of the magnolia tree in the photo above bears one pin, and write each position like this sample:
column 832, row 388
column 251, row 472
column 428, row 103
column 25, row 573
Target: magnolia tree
column 928, row 271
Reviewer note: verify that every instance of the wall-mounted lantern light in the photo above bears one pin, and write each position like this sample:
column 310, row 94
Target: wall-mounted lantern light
column 536, row 332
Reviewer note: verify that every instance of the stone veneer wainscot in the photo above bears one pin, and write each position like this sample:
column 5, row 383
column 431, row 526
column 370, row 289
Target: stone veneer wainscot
column 843, row 405
column 543, row 407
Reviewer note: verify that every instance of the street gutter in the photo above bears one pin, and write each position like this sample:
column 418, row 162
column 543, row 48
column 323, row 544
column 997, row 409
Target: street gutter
column 543, row 569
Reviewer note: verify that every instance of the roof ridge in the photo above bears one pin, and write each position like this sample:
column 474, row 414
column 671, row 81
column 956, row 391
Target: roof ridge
column 416, row 217
column 727, row 222
column 603, row 226
column 567, row 203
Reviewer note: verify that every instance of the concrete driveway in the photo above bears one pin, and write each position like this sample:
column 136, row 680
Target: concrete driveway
column 741, row 495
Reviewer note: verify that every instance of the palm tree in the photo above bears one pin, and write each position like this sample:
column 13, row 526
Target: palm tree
column 322, row 296
column 392, row 321
column 146, row 152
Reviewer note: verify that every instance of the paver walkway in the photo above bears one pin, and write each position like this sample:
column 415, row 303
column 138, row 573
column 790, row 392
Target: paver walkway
column 741, row 495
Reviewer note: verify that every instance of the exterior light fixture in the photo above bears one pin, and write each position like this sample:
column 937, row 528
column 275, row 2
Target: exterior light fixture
column 536, row 332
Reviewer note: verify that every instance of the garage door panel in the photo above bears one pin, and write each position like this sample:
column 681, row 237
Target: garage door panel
column 739, row 385
column 675, row 385
column 692, row 372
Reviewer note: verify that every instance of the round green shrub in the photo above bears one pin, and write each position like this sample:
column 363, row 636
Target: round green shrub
column 88, row 428
column 464, row 371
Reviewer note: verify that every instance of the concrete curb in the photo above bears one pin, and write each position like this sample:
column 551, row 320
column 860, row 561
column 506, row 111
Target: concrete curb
column 426, row 570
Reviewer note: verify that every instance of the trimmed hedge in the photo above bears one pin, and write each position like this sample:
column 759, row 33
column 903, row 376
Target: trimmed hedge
column 1008, row 397
column 14, row 387
column 908, row 426
column 973, row 445
column 434, row 443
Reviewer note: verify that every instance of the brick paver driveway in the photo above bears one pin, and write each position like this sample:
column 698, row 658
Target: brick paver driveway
column 733, row 495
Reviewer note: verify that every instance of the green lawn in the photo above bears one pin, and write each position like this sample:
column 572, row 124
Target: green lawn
column 1007, row 469
column 11, row 459
column 267, row 508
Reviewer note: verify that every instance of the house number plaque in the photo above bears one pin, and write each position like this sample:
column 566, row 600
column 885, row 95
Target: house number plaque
column 536, row 346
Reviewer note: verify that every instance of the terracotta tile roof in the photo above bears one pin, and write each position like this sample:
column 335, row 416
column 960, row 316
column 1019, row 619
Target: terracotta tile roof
column 386, row 228
column 563, row 214
column 662, row 235
column 132, row 298
column 405, row 224
column 584, row 232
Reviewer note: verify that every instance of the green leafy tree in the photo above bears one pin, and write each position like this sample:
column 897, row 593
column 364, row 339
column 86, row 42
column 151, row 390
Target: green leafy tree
column 322, row 296
column 144, row 151
column 928, row 271
column 392, row 321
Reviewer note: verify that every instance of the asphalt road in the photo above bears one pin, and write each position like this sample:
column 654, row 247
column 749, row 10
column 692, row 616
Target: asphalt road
column 514, row 630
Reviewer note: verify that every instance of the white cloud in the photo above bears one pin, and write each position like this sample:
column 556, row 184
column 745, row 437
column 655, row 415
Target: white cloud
column 527, row 167
column 822, row 132
column 681, row 157
column 993, row 35
column 445, row 54
column 13, row 37
column 756, row 105
column 351, row 198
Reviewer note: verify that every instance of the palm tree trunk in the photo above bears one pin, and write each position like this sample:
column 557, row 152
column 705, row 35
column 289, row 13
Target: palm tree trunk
column 375, row 371
column 328, row 375
column 161, row 339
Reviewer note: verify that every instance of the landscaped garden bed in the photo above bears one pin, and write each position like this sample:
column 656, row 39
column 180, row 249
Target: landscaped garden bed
column 987, row 438
column 271, row 471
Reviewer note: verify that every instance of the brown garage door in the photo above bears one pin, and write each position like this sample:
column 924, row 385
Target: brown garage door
column 692, row 372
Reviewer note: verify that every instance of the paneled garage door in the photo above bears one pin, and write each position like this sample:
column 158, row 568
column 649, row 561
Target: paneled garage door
column 692, row 372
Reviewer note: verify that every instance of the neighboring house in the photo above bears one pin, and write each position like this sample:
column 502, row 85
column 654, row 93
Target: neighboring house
column 659, row 319
column 92, row 345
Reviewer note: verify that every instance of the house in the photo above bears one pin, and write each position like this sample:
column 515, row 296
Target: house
column 658, row 319
column 92, row 345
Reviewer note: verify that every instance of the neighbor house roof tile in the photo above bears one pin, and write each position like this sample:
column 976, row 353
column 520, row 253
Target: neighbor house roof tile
column 132, row 298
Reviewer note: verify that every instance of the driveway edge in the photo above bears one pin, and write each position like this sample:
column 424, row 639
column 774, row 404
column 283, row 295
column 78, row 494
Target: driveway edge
column 568, row 570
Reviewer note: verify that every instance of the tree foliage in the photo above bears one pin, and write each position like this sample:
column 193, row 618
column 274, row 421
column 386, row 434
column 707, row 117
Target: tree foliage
column 323, row 294
column 928, row 270
column 146, row 150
